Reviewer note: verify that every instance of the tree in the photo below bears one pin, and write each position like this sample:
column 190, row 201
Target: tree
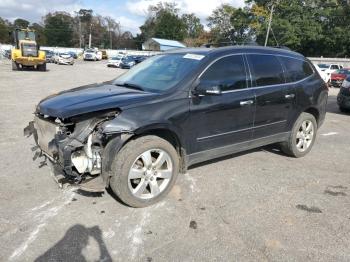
column 40, row 33
column 21, row 23
column 163, row 21
column 193, row 25
column 230, row 25
column 169, row 26
column 5, row 28
column 58, row 29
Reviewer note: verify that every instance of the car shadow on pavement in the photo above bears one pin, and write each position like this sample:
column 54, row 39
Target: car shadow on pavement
column 71, row 246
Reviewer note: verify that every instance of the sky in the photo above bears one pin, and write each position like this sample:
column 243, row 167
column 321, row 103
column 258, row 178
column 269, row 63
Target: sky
column 130, row 14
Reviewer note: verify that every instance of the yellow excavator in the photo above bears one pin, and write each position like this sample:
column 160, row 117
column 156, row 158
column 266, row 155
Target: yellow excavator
column 26, row 51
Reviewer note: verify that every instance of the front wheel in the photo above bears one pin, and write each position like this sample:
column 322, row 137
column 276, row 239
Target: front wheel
column 145, row 170
column 302, row 137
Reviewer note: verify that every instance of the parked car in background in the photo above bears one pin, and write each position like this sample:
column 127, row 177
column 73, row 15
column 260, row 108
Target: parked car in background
column 49, row 56
column 343, row 98
column 7, row 54
column 136, row 133
column 104, row 54
column 115, row 61
column 329, row 69
column 63, row 59
column 324, row 76
column 338, row 77
column 73, row 54
column 139, row 59
column 92, row 55
column 127, row 62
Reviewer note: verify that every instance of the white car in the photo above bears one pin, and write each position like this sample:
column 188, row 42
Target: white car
column 328, row 69
column 115, row 61
column 92, row 55
column 323, row 74
column 63, row 59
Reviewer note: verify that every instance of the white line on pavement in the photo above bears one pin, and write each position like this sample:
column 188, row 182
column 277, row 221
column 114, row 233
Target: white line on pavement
column 330, row 134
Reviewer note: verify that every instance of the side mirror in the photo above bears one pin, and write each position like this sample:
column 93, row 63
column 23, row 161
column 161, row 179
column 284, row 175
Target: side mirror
column 207, row 89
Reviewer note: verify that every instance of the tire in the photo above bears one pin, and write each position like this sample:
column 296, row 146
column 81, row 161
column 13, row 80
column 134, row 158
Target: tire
column 42, row 67
column 291, row 147
column 15, row 66
column 129, row 157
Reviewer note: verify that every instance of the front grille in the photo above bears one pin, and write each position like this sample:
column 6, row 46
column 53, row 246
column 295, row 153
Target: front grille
column 46, row 133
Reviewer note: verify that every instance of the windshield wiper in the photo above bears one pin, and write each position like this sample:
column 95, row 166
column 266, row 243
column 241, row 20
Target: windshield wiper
column 131, row 86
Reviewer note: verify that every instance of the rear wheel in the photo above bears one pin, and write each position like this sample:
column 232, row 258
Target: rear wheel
column 15, row 65
column 302, row 137
column 145, row 171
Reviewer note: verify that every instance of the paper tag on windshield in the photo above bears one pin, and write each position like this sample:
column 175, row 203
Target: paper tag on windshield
column 193, row 56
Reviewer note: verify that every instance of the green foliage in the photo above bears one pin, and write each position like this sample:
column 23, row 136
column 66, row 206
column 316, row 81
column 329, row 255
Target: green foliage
column 314, row 27
column 58, row 29
column 193, row 25
column 4, row 31
column 21, row 23
column 230, row 25
column 163, row 22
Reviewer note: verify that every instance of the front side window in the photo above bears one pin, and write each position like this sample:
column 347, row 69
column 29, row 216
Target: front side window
column 334, row 67
column 296, row 69
column 266, row 70
column 229, row 73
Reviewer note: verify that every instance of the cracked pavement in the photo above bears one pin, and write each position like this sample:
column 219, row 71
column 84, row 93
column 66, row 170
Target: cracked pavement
column 254, row 206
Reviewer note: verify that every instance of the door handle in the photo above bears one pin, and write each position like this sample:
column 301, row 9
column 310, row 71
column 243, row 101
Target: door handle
column 246, row 103
column 289, row 96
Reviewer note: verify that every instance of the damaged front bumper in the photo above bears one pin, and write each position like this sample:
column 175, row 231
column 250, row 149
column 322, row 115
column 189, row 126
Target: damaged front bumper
column 81, row 156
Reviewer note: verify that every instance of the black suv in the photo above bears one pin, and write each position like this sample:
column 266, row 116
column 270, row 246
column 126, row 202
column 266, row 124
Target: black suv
column 343, row 98
column 177, row 109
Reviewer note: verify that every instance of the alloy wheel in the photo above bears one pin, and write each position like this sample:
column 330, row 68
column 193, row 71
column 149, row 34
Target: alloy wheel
column 305, row 135
column 150, row 174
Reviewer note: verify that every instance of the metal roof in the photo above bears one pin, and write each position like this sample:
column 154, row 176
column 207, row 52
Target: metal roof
column 167, row 42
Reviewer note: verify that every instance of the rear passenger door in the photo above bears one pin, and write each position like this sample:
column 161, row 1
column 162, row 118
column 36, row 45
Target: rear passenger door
column 274, row 98
column 297, row 73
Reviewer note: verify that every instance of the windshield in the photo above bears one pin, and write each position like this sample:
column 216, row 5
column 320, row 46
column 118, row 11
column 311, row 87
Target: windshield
column 127, row 59
column 117, row 58
column 26, row 35
column 159, row 73
column 323, row 66
column 90, row 51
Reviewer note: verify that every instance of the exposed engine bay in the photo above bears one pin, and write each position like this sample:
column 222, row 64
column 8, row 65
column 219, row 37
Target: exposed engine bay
column 74, row 146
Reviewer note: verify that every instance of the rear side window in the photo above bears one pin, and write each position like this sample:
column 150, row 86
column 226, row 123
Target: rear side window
column 296, row 69
column 228, row 72
column 266, row 70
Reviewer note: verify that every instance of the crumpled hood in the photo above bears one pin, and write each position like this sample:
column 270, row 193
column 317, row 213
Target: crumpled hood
column 91, row 98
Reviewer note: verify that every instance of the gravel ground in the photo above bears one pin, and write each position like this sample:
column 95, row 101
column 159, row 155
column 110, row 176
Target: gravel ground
column 256, row 206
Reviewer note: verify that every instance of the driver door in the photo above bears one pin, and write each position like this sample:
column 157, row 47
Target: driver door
column 225, row 118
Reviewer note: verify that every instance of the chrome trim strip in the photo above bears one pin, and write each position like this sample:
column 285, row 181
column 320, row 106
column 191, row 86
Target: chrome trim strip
column 240, row 130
